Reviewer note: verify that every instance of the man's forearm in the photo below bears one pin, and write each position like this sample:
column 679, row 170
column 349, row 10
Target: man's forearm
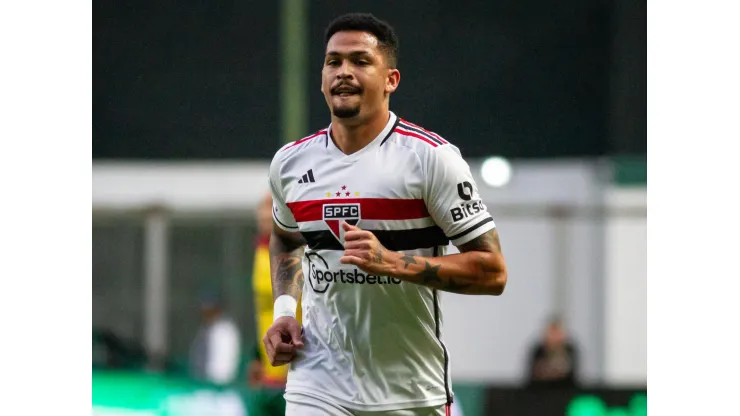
column 474, row 272
column 285, row 267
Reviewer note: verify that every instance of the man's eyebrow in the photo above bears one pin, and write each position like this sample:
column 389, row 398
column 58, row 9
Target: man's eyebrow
column 352, row 54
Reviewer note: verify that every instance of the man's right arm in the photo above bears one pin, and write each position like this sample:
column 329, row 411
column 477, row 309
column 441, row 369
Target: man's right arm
column 286, row 253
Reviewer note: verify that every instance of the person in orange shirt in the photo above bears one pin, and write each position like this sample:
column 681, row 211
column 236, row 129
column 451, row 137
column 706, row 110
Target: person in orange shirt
column 266, row 381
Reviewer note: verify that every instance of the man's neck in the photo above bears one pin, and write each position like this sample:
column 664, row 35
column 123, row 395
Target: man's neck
column 351, row 138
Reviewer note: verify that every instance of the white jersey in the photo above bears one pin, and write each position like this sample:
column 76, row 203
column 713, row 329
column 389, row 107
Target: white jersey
column 374, row 342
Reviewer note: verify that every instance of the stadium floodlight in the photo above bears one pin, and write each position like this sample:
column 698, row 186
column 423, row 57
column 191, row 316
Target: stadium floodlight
column 496, row 171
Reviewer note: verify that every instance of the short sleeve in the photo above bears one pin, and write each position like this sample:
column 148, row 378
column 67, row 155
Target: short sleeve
column 452, row 198
column 280, row 212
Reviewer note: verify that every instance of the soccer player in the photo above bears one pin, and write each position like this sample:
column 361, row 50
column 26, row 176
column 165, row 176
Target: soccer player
column 363, row 211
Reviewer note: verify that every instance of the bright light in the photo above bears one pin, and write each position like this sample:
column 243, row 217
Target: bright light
column 496, row 171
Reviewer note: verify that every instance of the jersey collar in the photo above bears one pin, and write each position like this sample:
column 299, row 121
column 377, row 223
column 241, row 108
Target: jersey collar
column 337, row 154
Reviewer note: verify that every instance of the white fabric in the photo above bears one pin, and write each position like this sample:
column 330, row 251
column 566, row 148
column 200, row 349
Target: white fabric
column 285, row 305
column 297, row 404
column 222, row 365
column 371, row 343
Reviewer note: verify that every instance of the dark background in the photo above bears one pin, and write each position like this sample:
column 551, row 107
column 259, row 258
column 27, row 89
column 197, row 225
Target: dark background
column 195, row 79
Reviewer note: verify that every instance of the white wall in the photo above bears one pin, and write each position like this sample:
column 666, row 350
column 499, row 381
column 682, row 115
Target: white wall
column 626, row 289
column 180, row 186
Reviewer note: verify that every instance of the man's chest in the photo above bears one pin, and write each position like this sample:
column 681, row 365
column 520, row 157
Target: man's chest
column 384, row 176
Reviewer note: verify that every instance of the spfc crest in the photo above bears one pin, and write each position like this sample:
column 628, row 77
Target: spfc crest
column 334, row 214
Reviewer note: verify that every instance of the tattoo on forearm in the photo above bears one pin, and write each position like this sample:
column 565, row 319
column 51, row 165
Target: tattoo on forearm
column 408, row 260
column 485, row 242
column 288, row 277
column 379, row 260
column 430, row 274
column 287, row 267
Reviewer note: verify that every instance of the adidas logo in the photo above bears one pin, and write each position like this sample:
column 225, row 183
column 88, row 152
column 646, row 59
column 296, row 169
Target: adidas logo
column 307, row 177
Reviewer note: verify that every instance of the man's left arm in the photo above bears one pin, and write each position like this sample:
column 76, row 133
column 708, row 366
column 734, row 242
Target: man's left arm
column 479, row 268
column 453, row 201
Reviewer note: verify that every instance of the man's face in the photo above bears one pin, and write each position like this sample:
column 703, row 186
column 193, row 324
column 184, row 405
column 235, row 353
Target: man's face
column 555, row 335
column 356, row 78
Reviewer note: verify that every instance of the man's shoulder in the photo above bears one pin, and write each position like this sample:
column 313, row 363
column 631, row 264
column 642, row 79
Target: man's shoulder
column 415, row 136
column 295, row 148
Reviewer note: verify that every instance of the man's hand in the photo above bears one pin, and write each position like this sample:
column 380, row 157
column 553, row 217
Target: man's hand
column 282, row 340
column 363, row 249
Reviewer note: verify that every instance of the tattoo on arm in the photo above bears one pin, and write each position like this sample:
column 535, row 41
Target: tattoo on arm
column 469, row 277
column 288, row 277
column 430, row 277
column 286, row 254
column 430, row 274
column 408, row 260
column 488, row 241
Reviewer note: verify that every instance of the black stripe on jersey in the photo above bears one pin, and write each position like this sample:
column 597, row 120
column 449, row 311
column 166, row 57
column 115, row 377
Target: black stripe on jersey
column 395, row 240
column 284, row 225
column 398, row 120
column 469, row 230
column 439, row 337
column 422, row 132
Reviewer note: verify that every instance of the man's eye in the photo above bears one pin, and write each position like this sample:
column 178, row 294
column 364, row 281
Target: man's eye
column 332, row 62
column 363, row 62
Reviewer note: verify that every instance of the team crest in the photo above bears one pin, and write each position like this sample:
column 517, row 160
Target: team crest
column 334, row 214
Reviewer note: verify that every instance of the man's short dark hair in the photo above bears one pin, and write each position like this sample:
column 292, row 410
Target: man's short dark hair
column 366, row 22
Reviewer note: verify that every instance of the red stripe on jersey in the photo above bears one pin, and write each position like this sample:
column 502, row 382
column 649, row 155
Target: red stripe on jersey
column 370, row 208
column 417, row 130
column 425, row 130
column 305, row 139
column 408, row 133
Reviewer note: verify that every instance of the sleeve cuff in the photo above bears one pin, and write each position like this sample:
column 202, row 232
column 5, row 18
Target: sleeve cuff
column 472, row 232
column 284, row 226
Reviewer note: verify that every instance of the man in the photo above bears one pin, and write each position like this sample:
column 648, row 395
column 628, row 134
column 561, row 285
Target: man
column 553, row 362
column 216, row 350
column 267, row 381
column 363, row 211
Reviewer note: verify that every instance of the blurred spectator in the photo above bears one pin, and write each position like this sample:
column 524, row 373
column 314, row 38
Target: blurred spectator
column 553, row 361
column 267, row 382
column 216, row 350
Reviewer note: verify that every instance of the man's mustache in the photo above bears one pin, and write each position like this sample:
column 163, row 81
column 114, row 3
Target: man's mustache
column 342, row 88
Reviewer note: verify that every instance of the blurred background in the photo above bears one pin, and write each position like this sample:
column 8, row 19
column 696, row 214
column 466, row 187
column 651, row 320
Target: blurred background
column 547, row 103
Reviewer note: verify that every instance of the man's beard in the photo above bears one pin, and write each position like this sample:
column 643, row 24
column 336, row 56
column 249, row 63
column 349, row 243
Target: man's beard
column 346, row 112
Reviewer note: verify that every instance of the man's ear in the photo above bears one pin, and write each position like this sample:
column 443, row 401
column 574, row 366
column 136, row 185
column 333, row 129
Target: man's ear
column 392, row 80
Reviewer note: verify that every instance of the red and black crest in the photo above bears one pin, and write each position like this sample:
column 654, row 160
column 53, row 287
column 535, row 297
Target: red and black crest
column 334, row 214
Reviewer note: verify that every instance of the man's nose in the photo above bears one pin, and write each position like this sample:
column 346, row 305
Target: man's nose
column 345, row 71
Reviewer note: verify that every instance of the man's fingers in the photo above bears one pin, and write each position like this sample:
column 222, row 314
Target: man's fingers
column 296, row 334
column 284, row 348
column 356, row 244
column 347, row 227
column 352, row 260
column 284, row 357
column 357, row 235
column 268, row 347
column 275, row 339
column 360, row 254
